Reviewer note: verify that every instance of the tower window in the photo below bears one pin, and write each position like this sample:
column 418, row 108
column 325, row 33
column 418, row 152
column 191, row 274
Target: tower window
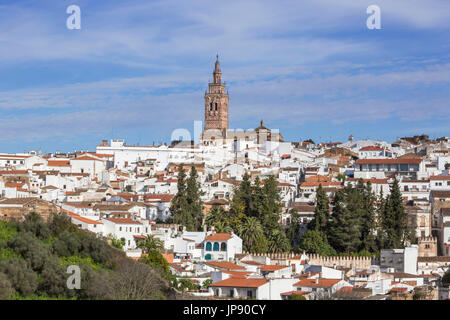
column 216, row 106
column 210, row 106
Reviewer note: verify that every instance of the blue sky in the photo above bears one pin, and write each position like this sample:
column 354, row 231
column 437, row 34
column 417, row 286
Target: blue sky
column 138, row 69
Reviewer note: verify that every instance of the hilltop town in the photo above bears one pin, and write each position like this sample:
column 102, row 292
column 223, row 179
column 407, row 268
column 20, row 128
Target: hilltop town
column 246, row 214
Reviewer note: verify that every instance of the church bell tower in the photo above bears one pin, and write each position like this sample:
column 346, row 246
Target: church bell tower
column 216, row 103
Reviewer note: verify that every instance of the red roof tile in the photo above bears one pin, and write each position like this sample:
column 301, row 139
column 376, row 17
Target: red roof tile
column 240, row 283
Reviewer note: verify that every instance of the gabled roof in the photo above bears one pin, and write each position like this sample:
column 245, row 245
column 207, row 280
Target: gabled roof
column 240, row 283
column 272, row 268
column 218, row 237
column 224, row 265
column 322, row 283
column 122, row 221
column 58, row 163
column 371, row 148
column 447, row 177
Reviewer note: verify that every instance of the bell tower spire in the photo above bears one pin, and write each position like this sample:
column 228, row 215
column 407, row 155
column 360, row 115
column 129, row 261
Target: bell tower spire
column 217, row 74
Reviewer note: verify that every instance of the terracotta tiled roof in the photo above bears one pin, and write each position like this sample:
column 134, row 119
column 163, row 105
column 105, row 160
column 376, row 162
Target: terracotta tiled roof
column 13, row 172
column 80, row 218
column 371, row 148
column 240, row 283
column 58, row 163
column 85, row 158
column 317, row 178
column 320, row 283
column 218, row 237
column 434, row 259
column 294, row 292
column 224, row 265
column 122, row 221
column 166, row 197
column 447, row 177
column 271, row 268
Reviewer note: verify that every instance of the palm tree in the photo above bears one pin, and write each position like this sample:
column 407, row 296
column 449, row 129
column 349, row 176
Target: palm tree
column 222, row 227
column 250, row 231
column 150, row 243
column 278, row 242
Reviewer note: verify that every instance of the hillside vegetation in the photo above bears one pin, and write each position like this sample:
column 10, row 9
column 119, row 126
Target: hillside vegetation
column 34, row 257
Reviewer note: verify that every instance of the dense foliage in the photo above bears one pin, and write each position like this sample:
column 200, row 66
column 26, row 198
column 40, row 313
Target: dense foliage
column 359, row 223
column 186, row 206
column 34, row 256
column 254, row 216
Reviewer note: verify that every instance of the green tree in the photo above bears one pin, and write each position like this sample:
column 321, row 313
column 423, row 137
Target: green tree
column 6, row 289
column 321, row 211
column 272, row 205
column 117, row 243
column 345, row 230
column 194, row 202
column 446, row 279
column 316, row 242
column 394, row 230
column 293, row 230
column 150, row 243
column 278, row 242
column 368, row 223
column 180, row 203
column 251, row 233
column 244, row 192
column 207, row 283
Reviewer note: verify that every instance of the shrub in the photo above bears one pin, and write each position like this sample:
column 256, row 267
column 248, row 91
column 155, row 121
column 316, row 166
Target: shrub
column 6, row 289
column 67, row 244
column 22, row 278
column 97, row 249
column 60, row 223
column 7, row 231
column 53, row 279
column 33, row 223
column 33, row 250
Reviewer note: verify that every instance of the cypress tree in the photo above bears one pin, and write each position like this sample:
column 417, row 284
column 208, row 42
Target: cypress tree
column 344, row 231
column 179, row 202
column 394, row 219
column 368, row 225
column 194, row 202
column 321, row 211
column 272, row 205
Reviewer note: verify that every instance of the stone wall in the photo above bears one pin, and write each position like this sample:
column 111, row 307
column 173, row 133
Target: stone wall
column 315, row 259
